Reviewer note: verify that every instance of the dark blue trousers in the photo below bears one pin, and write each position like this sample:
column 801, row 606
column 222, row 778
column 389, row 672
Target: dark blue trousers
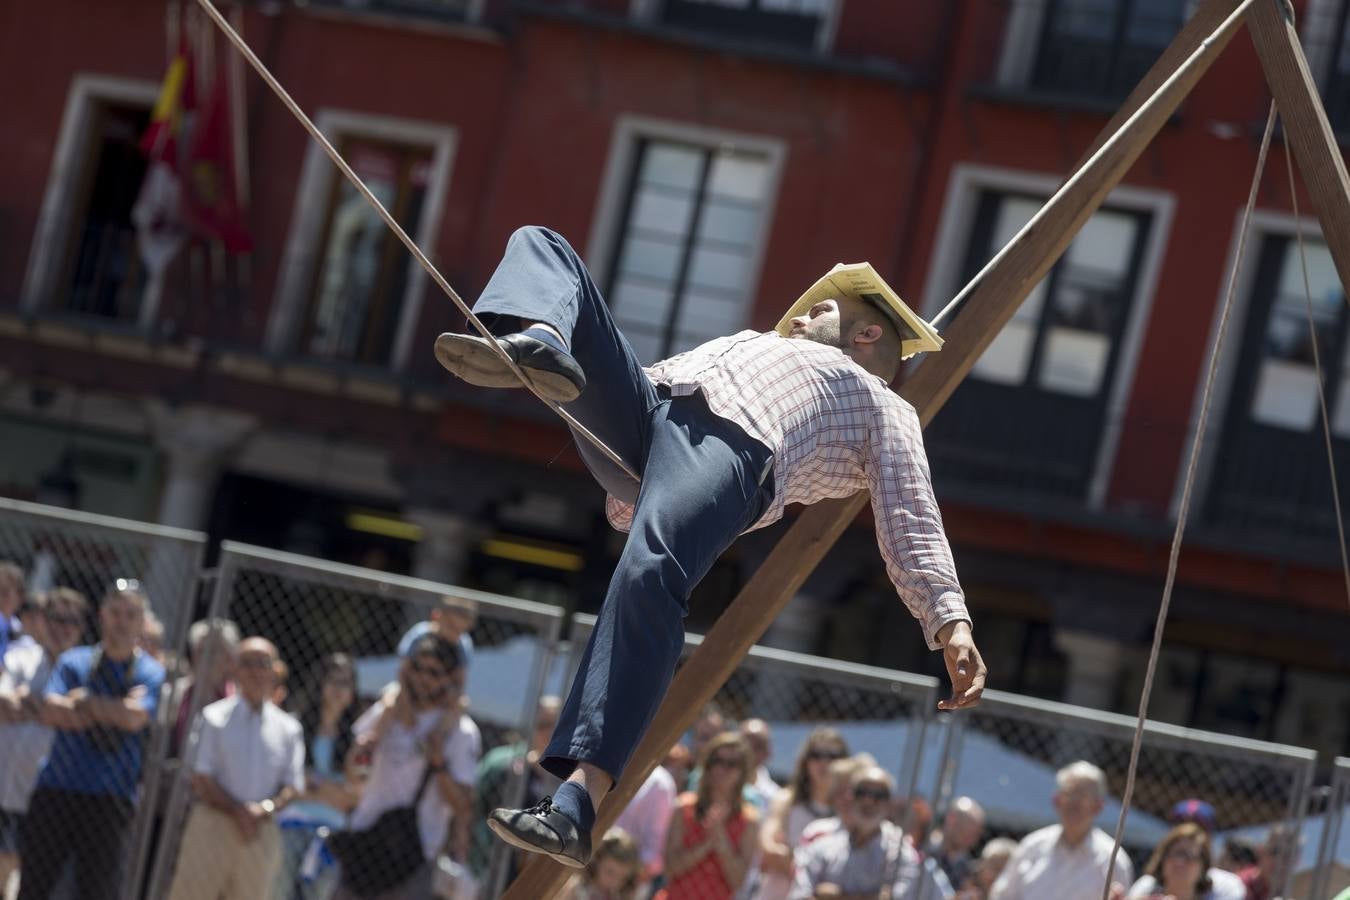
column 703, row 483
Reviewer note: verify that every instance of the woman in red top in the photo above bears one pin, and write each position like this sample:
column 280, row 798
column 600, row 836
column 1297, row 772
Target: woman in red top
column 713, row 834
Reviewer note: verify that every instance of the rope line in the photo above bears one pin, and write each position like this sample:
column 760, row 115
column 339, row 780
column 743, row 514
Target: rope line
column 1317, row 364
column 1184, row 509
column 242, row 46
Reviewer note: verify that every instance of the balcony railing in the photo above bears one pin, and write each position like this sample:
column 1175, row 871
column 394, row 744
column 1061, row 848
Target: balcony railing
column 750, row 22
column 444, row 10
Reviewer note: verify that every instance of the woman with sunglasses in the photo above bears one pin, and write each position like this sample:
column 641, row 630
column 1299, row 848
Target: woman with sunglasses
column 713, row 833
column 805, row 799
column 1180, row 865
column 419, row 752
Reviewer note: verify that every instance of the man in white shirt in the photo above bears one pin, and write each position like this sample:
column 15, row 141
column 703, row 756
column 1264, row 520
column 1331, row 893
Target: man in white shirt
column 647, row 819
column 55, row 623
column 1067, row 861
column 249, row 763
column 869, row 857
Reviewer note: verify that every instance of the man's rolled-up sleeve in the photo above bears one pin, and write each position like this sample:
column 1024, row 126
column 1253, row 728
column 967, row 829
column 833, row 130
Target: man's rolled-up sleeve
column 909, row 525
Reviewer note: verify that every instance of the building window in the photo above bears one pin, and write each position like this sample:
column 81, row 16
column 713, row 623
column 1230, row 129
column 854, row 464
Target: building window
column 1273, row 413
column 1328, row 26
column 448, row 10
column 1102, row 48
column 347, row 291
column 795, row 23
column 103, row 275
column 1063, row 336
column 362, row 274
column 1286, row 379
column 1033, row 413
column 689, row 237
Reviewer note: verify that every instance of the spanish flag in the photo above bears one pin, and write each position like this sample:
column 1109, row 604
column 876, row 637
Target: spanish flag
column 169, row 120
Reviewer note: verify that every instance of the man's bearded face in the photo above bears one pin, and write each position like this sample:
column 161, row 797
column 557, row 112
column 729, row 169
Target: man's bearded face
column 822, row 323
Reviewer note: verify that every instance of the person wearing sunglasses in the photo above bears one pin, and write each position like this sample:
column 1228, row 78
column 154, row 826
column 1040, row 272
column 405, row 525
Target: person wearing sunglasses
column 713, row 833
column 805, row 799
column 100, row 699
column 55, row 622
column 869, row 857
column 1223, row 885
column 423, row 751
column 1180, row 865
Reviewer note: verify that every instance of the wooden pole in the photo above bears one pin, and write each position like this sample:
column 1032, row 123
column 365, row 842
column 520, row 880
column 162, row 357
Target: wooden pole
column 1307, row 129
column 989, row 302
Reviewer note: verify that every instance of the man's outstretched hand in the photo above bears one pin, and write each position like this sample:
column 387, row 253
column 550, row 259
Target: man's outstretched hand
column 964, row 666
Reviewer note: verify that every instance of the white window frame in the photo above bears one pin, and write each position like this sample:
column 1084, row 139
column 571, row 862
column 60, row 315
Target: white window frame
column 649, row 12
column 959, row 209
column 295, row 278
column 52, row 234
column 1021, row 41
column 1265, row 223
column 628, row 130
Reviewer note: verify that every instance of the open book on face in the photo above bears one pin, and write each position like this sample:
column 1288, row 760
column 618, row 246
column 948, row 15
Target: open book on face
column 861, row 281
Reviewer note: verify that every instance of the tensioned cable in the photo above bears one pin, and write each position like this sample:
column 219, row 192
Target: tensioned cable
column 1182, row 511
column 1317, row 365
column 402, row 235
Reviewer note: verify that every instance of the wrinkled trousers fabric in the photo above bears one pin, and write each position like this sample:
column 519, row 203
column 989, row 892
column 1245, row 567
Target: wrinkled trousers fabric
column 704, row 482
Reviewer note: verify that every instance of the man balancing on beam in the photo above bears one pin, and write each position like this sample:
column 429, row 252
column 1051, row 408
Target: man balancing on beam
column 723, row 437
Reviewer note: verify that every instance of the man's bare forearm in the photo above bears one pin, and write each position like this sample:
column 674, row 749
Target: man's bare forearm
column 214, row 796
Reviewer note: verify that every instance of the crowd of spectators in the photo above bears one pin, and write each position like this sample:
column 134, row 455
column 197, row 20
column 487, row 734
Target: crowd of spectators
column 281, row 765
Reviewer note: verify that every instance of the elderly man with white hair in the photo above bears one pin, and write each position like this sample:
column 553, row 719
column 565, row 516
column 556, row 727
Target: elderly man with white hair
column 1068, row 861
column 869, row 857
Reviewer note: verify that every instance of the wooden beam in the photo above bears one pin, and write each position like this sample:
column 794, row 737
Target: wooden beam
column 990, row 301
column 1306, row 126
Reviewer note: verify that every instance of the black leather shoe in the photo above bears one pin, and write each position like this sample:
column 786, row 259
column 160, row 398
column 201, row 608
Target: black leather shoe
column 551, row 372
column 542, row 829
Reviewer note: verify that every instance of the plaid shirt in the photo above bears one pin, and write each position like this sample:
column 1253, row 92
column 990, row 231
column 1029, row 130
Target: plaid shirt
column 834, row 430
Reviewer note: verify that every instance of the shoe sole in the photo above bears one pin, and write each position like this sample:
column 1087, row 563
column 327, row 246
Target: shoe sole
column 471, row 358
column 514, row 840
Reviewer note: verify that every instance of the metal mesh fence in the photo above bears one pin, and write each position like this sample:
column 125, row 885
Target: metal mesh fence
column 1009, row 748
column 77, row 789
column 1331, row 868
column 377, row 698
column 338, row 629
column 881, row 713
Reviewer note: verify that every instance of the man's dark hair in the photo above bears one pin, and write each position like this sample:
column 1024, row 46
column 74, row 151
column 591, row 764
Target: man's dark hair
column 447, row 653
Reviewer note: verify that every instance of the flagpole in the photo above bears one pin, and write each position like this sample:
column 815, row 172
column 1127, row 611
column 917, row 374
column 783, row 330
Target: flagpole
column 238, row 118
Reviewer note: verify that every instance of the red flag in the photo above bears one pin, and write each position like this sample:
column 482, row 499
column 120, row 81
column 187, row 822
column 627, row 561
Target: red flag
column 177, row 100
column 159, row 226
column 210, row 195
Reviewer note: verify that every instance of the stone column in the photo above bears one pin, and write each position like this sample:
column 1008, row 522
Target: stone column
column 196, row 442
column 1095, row 666
column 447, row 538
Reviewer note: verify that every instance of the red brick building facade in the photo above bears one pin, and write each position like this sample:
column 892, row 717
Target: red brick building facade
column 709, row 159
